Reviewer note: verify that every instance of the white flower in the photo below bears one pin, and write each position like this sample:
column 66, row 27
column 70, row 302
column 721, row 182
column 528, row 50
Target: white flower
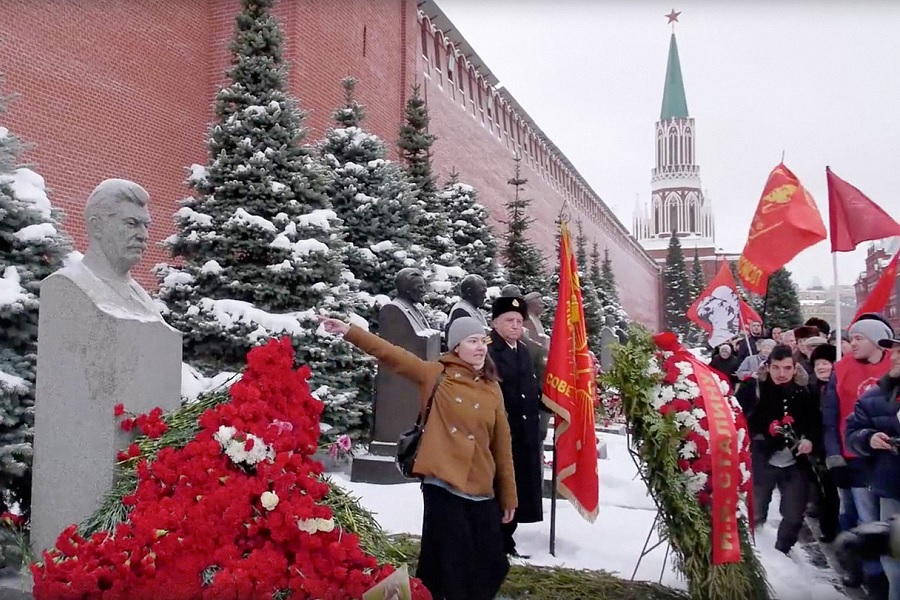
column 235, row 451
column 726, row 389
column 696, row 481
column 653, row 369
column 745, row 473
column 224, row 434
column 325, row 525
column 685, row 419
column 698, row 413
column 741, row 435
column 308, row 525
column 312, row 526
column 269, row 500
column 685, row 367
column 688, row 450
column 684, row 395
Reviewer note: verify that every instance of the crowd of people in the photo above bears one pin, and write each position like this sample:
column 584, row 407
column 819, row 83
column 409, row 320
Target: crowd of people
column 821, row 407
column 825, row 431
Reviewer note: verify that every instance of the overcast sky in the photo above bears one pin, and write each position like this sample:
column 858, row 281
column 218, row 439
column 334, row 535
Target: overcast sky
column 817, row 80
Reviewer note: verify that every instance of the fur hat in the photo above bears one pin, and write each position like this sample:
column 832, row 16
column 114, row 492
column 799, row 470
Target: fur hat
column 806, row 331
column 505, row 304
column 462, row 328
column 823, row 352
column 822, row 324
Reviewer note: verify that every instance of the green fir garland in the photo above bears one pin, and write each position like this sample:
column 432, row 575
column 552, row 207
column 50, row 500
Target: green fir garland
column 684, row 522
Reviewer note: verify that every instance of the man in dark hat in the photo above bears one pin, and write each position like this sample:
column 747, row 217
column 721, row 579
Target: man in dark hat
column 522, row 397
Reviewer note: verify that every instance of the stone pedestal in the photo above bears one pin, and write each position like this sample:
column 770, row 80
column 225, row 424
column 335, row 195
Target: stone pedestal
column 396, row 398
column 89, row 360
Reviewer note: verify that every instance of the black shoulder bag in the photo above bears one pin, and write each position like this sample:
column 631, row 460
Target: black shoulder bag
column 408, row 444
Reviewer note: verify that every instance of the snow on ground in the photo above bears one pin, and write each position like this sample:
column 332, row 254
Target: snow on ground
column 614, row 542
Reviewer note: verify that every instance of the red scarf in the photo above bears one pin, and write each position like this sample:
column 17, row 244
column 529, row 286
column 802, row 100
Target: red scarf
column 853, row 379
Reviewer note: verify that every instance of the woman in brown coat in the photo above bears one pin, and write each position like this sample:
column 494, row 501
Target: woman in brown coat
column 464, row 460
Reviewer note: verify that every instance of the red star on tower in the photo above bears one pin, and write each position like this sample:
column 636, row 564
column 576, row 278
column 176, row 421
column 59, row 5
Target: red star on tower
column 673, row 17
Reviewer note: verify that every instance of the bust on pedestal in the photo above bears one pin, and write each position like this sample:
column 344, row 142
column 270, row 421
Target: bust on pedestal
column 101, row 341
column 473, row 292
column 608, row 337
column 401, row 323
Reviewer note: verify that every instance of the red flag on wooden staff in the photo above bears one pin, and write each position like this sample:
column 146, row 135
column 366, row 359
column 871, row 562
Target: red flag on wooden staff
column 853, row 218
column 570, row 391
column 881, row 293
column 720, row 310
column 786, row 222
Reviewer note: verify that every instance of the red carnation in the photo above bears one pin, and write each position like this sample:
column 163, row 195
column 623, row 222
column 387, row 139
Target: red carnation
column 773, row 428
column 667, row 341
column 127, row 424
column 119, row 409
column 787, row 420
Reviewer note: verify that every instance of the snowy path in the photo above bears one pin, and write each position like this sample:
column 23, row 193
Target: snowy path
column 613, row 543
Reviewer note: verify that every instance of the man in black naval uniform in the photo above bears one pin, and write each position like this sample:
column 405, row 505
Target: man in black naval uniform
column 522, row 397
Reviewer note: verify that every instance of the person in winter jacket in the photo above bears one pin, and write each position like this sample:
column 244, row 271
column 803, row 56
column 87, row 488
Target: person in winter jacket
column 750, row 366
column 726, row 362
column 824, row 491
column 855, row 373
column 873, row 431
column 522, row 397
column 464, row 459
column 754, row 335
column 785, row 426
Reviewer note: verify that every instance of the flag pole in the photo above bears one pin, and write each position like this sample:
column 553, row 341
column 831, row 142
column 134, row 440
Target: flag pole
column 837, row 307
column 553, row 492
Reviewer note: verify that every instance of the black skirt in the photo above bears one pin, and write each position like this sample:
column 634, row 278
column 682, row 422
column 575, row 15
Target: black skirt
column 462, row 555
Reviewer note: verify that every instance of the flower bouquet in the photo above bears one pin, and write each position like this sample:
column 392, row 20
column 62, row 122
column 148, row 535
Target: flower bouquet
column 237, row 512
column 692, row 440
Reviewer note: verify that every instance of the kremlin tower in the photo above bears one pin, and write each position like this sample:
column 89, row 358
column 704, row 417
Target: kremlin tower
column 678, row 205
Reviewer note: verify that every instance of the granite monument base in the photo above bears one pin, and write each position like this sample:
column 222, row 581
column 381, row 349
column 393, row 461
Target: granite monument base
column 89, row 360
column 378, row 465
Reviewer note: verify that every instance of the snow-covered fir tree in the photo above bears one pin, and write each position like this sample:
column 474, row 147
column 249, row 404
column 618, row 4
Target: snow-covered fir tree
column 677, row 286
column 476, row 246
column 374, row 199
column 601, row 274
column 31, row 248
column 609, row 277
column 524, row 262
column 261, row 246
column 594, row 317
column 415, row 143
column 782, row 305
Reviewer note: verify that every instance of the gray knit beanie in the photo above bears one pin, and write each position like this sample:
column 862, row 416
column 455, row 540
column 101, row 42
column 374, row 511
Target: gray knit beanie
column 462, row 328
column 872, row 329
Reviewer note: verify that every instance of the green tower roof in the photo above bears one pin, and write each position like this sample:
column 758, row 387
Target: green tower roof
column 674, row 104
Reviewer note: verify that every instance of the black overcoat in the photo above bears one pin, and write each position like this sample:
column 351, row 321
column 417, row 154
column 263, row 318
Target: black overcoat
column 522, row 397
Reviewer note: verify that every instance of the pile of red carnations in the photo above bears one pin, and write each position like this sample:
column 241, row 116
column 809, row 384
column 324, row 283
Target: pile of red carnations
column 679, row 395
column 236, row 513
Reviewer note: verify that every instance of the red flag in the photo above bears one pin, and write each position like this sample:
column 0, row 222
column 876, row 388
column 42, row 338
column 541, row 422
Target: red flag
column 719, row 309
column 786, row 222
column 569, row 390
column 853, row 218
column 881, row 293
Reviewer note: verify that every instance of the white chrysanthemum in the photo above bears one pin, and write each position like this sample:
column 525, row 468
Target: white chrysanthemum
column 684, row 395
column 653, row 369
column 685, row 367
column 726, row 389
column 696, row 481
column 741, row 435
column 685, row 419
column 692, row 387
column 698, row 413
column 688, row 450
column 745, row 473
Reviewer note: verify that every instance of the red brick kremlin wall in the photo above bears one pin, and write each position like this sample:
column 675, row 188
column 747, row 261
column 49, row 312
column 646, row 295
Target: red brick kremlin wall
column 124, row 88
